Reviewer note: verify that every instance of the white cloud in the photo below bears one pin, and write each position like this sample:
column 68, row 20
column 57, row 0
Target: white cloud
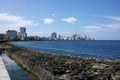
column 9, row 18
column 92, row 27
column 109, row 27
column 100, row 29
column 116, row 18
column 48, row 20
column 112, row 26
column 69, row 20
column 9, row 21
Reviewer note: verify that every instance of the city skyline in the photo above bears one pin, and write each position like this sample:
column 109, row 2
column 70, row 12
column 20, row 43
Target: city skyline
column 97, row 19
column 13, row 35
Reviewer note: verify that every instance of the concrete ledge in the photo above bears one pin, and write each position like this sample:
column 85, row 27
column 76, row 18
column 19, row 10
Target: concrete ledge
column 3, row 71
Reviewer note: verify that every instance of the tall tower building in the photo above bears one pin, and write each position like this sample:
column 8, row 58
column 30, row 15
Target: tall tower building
column 54, row 35
column 22, row 35
column 23, row 29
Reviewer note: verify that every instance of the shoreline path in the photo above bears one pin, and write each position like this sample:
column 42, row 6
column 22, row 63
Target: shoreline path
column 3, row 71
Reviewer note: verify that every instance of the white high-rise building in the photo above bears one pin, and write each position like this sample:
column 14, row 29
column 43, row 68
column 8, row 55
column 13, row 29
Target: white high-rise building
column 22, row 35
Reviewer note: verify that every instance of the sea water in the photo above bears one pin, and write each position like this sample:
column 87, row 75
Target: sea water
column 107, row 49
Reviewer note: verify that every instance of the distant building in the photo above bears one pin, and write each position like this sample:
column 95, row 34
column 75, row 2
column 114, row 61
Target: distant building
column 85, row 37
column 76, row 37
column 2, row 36
column 33, row 38
column 11, row 34
column 60, row 37
column 22, row 35
column 54, row 35
column 23, row 29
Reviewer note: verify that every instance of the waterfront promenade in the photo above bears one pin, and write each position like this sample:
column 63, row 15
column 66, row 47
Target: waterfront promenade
column 3, row 71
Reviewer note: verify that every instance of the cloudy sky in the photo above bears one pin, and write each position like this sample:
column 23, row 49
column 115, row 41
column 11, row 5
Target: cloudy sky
column 99, row 19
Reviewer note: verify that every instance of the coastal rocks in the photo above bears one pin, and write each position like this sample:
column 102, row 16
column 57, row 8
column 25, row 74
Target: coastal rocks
column 59, row 67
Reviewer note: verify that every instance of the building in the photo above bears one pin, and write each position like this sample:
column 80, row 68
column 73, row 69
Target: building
column 76, row 37
column 60, row 37
column 2, row 36
column 11, row 34
column 22, row 35
column 33, row 38
column 23, row 29
column 54, row 35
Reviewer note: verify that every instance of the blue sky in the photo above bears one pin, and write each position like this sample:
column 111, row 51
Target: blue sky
column 99, row 19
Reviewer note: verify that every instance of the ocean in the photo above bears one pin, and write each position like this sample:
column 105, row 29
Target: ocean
column 106, row 49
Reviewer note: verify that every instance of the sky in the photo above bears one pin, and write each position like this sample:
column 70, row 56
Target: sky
column 99, row 19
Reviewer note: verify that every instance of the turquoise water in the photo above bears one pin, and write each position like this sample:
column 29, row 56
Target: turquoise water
column 15, row 71
column 99, row 49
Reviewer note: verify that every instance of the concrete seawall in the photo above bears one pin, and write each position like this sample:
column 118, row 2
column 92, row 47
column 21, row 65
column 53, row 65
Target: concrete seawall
column 30, row 65
column 3, row 71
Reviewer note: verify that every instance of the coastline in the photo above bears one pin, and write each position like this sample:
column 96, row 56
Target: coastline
column 63, row 67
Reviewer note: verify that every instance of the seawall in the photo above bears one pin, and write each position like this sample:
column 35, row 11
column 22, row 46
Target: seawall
column 59, row 67
column 28, row 60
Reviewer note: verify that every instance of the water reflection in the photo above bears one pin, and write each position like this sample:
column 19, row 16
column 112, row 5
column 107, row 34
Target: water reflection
column 15, row 72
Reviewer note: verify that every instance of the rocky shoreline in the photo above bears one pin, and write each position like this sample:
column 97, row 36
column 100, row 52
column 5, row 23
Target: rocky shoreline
column 59, row 67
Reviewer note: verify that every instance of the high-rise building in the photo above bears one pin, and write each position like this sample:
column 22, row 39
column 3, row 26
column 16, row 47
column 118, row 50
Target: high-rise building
column 54, row 35
column 60, row 37
column 76, row 36
column 23, row 29
column 22, row 35
column 12, row 34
